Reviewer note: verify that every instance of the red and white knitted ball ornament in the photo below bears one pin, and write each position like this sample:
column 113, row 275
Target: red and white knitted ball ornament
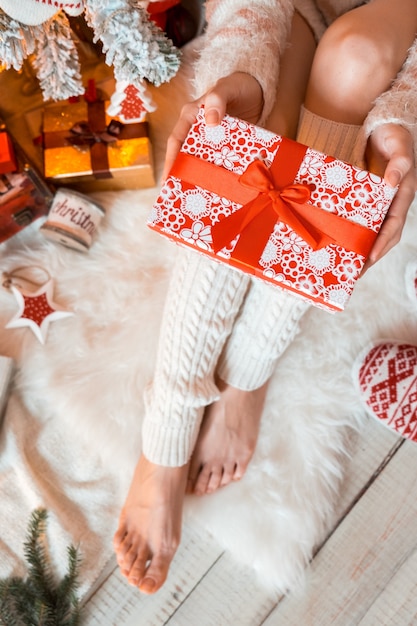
column 35, row 12
column 386, row 379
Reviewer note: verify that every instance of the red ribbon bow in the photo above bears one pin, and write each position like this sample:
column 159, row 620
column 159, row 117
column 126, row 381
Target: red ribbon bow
column 287, row 205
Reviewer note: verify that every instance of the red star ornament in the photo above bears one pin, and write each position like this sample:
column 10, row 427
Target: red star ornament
column 36, row 310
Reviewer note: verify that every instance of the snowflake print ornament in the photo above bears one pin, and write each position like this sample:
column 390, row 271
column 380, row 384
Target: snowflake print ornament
column 36, row 308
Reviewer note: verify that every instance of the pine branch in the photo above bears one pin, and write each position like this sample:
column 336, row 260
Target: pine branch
column 17, row 603
column 67, row 605
column 39, row 600
column 7, row 604
column 40, row 577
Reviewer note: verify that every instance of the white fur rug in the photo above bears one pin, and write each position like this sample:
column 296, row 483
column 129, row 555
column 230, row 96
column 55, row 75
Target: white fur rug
column 84, row 389
column 73, row 444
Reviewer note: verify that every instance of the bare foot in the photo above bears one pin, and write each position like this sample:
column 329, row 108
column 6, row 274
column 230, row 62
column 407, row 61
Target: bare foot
column 227, row 439
column 150, row 524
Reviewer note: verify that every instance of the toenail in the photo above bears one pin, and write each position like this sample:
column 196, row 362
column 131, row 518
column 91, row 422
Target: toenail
column 133, row 581
column 148, row 585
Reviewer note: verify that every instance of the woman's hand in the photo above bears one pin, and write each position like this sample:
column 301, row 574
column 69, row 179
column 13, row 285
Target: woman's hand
column 390, row 153
column 239, row 95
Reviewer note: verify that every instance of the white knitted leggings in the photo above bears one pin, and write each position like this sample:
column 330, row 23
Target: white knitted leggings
column 216, row 319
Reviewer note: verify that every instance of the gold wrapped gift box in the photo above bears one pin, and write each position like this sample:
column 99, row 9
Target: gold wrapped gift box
column 87, row 150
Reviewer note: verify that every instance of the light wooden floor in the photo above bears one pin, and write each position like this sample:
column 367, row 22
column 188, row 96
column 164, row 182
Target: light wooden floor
column 364, row 574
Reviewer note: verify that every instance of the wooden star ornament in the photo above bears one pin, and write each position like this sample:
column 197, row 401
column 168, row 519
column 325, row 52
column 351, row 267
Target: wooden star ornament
column 36, row 309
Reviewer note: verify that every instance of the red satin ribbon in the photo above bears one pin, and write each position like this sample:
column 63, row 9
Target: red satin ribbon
column 268, row 196
column 269, row 206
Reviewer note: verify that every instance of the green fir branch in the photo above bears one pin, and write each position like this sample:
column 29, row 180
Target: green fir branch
column 38, row 600
column 40, row 575
column 67, row 605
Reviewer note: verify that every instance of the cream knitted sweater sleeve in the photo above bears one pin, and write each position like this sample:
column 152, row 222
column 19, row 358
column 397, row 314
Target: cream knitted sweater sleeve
column 398, row 105
column 244, row 36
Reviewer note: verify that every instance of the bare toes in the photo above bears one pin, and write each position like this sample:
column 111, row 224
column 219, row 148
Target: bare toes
column 157, row 572
column 138, row 569
column 203, row 478
column 122, row 545
column 240, row 469
column 127, row 560
column 193, row 475
column 119, row 537
column 228, row 474
column 215, row 479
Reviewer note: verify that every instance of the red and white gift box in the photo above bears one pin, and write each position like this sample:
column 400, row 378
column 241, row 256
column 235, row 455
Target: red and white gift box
column 273, row 208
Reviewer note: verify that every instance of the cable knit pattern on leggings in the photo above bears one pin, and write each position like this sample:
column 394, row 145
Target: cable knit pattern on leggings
column 266, row 325
column 202, row 303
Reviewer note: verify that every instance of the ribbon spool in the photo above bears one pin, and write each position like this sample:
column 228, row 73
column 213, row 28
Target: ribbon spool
column 72, row 220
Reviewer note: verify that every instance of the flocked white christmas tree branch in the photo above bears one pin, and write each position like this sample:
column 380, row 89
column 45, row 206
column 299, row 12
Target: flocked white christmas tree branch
column 17, row 41
column 137, row 49
column 133, row 44
column 56, row 61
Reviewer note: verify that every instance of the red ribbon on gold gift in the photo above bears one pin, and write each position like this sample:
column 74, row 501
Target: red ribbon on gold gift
column 269, row 195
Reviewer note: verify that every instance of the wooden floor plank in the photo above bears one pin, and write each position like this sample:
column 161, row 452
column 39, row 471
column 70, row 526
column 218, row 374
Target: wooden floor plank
column 229, row 594
column 116, row 603
column 362, row 556
column 371, row 448
column 397, row 603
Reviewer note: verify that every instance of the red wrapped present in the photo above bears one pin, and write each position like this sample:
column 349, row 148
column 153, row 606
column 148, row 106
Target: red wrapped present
column 273, row 208
column 24, row 196
column 7, row 155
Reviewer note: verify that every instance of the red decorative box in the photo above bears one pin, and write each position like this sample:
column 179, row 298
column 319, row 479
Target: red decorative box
column 274, row 208
column 24, row 196
column 7, row 156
